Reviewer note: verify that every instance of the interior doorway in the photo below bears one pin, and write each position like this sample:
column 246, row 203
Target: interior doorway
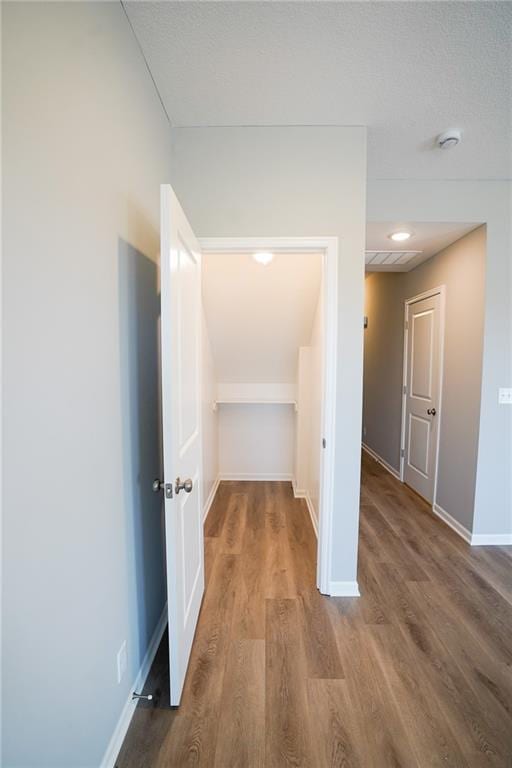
column 252, row 403
column 192, row 394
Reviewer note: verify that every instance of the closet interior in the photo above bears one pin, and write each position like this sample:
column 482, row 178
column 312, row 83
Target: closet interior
column 263, row 341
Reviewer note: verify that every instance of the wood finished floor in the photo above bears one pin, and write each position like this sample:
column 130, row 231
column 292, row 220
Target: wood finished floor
column 415, row 673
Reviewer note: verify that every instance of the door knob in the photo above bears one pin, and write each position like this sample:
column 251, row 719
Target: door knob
column 431, row 411
column 186, row 485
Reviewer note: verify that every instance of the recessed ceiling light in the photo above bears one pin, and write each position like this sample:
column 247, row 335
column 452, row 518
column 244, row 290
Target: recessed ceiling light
column 399, row 237
column 263, row 257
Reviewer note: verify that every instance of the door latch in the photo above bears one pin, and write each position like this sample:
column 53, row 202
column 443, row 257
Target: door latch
column 159, row 485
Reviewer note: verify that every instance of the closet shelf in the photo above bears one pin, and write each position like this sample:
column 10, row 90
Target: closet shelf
column 252, row 401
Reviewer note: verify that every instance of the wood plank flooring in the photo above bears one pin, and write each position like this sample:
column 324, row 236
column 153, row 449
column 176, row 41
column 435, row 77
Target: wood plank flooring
column 417, row 672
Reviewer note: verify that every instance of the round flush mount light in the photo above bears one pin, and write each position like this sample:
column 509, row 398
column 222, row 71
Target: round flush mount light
column 449, row 139
column 400, row 237
column 263, row 257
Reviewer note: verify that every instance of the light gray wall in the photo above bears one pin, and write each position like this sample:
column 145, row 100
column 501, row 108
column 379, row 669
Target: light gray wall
column 250, row 182
column 85, row 146
column 486, row 202
column 461, row 268
column 382, row 380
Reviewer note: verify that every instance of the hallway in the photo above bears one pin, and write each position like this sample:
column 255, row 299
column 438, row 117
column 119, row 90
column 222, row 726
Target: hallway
column 416, row 672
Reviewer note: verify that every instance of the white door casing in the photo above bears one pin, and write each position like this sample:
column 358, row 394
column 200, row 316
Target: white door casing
column 423, row 346
column 329, row 247
column 181, row 430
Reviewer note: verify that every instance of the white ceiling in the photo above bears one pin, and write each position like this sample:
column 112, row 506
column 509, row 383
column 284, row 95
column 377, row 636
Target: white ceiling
column 258, row 316
column 407, row 70
column 428, row 238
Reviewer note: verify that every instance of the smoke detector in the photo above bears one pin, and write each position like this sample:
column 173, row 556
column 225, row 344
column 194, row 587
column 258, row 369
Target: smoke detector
column 449, row 139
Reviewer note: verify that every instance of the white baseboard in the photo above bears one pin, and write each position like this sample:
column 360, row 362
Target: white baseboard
column 299, row 493
column 452, row 522
column 116, row 742
column 209, row 500
column 242, row 477
column 311, row 511
column 344, row 589
column 380, row 460
column 491, row 539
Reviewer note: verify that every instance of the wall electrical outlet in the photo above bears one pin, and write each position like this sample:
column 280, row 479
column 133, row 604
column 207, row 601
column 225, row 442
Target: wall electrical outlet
column 505, row 396
column 121, row 662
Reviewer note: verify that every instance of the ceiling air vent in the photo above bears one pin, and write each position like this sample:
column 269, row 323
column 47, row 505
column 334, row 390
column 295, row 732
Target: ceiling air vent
column 389, row 258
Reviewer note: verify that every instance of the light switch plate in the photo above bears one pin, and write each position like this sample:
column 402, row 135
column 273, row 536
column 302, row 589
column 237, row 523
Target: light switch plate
column 505, row 396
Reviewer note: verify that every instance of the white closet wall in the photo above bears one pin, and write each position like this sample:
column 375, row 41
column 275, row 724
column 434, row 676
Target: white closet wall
column 257, row 319
column 309, row 416
column 316, row 387
column 209, row 421
column 303, row 423
column 256, row 442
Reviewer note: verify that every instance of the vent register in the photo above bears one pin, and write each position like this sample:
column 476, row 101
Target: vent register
column 389, row 258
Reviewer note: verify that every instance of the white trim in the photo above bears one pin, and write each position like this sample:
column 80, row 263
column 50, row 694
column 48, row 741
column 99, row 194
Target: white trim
column 329, row 247
column 440, row 291
column 311, row 511
column 454, row 524
column 116, row 741
column 209, row 500
column 302, row 494
column 233, row 476
column 380, row 460
column 491, row 540
column 344, row 589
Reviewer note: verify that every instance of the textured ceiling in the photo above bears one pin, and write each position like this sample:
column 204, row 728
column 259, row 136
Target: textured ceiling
column 406, row 70
column 258, row 316
column 428, row 238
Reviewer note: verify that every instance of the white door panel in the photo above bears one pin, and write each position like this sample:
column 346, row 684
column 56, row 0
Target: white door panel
column 181, row 431
column 422, row 325
column 422, row 399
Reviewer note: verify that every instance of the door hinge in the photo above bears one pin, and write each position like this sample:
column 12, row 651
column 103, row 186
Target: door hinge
column 405, row 389
column 406, row 325
column 324, row 443
column 402, row 452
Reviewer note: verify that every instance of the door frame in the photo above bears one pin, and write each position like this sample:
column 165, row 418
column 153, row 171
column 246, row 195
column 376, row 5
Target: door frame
column 329, row 247
column 440, row 291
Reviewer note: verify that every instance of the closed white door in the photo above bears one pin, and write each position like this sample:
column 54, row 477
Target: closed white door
column 181, row 430
column 422, row 398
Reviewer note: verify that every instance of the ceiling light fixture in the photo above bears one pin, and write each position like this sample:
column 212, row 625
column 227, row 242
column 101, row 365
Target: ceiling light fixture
column 263, row 257
column 399, row 237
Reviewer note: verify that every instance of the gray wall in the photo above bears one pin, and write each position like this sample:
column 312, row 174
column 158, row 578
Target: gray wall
column 294, row 182
column 382, row 380
column 85, row 147
column 461, row 268
column 487, row 202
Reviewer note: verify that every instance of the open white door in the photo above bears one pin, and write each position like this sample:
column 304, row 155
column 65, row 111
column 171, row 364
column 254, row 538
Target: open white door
column 181, row 430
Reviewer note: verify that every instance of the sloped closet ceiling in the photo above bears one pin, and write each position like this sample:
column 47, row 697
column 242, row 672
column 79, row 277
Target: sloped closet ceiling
column 258, row 316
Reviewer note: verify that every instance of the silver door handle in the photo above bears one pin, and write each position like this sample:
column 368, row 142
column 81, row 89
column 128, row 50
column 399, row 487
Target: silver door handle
column 431, row 411
column 186, row 485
